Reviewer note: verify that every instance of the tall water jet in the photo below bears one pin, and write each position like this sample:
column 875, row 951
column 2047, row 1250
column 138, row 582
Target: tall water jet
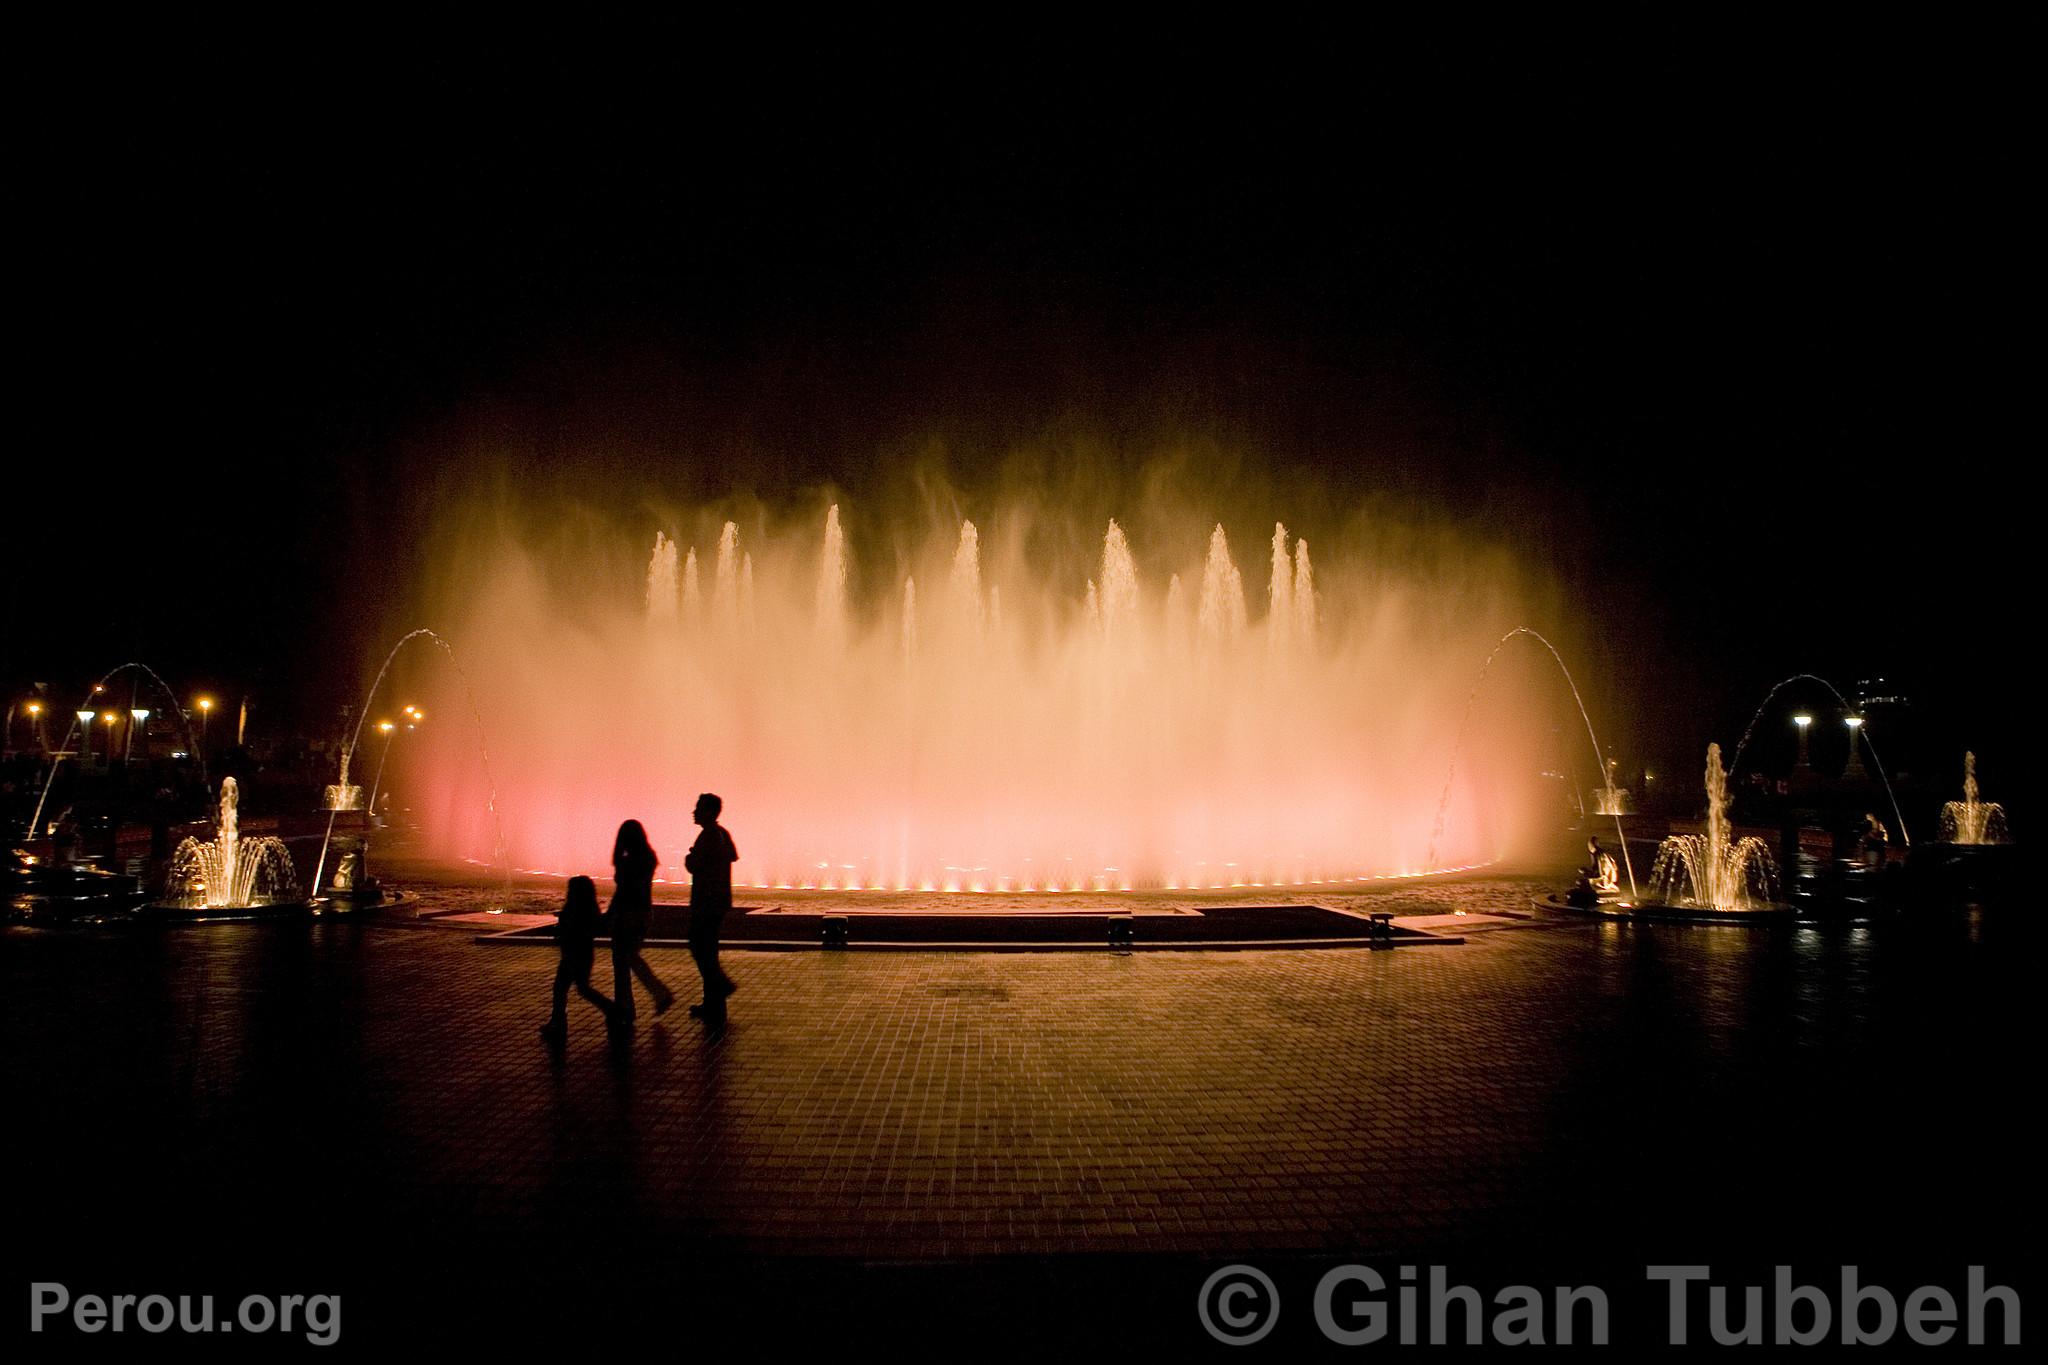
column 1280, row 595
column 1971, row 820
column 963, row 585
column 1712, row 871
column 1221, row 616
column 1001, row 734
column 228, row 872
column 661, row 579
column 1119, row 590
column 693, row 592
column 909, row 620
column 830, row 607
column 725, row 581
column 1176, row 632
column 1304, row 598
column 746, row 613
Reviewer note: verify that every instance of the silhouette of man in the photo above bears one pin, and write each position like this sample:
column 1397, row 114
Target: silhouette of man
column 710, row 862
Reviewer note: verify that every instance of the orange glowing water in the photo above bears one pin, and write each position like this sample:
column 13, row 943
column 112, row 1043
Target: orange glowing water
column 988, row 718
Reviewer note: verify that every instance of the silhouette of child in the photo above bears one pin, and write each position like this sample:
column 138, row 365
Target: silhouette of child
column 576, row 936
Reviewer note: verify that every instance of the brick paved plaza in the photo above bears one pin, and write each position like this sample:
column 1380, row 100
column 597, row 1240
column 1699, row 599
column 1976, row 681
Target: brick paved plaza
column 368, row 1103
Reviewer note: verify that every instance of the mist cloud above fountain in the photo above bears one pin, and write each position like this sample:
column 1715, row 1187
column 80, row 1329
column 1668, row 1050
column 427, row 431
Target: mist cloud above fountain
column 1009, row 700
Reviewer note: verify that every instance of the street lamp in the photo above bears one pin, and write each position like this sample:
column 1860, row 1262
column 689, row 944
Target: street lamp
column 35, row 724
column 205, row 714
column 1803, row 721
column 1855, row 768
column 85, row 736
column 140, row 716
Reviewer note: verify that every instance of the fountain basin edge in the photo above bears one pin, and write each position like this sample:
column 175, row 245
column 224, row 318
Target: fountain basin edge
column 1663, row 912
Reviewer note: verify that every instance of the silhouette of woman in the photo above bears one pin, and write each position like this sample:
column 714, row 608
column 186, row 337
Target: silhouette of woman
column 633, row 864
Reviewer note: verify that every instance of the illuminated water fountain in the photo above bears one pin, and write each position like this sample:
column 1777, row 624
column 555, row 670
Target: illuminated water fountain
column 1016, row 702
column 229, row 872
column 79, row 728
column 342, row 795
column 1971, row 821
column 1610, row 801
column 1713, row 871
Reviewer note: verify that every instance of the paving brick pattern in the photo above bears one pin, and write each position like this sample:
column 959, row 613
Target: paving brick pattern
column 1551, row 1075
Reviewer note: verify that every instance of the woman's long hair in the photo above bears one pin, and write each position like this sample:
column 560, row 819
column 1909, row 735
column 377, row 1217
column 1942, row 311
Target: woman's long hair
column 631, row 847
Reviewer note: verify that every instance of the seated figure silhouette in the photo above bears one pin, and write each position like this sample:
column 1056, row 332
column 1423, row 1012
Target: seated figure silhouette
column 576, row 937
column 1596, row 878
column 633, row 864
column 710, row 863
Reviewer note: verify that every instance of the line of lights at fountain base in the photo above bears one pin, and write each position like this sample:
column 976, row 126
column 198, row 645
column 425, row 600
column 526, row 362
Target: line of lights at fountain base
column 1008, row 887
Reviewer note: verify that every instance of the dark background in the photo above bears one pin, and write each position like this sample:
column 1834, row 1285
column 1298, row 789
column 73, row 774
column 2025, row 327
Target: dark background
column 1728, row 340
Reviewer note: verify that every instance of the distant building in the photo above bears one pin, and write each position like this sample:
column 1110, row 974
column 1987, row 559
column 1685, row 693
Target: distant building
column 1876, row 694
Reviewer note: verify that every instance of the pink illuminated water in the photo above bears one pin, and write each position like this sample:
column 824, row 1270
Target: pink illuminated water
column 983, row 715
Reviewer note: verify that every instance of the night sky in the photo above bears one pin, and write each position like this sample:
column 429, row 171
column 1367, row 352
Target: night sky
column 1731, row 346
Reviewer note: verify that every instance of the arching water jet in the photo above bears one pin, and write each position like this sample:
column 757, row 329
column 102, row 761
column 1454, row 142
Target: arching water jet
column 1600, row 764
column 476, row 716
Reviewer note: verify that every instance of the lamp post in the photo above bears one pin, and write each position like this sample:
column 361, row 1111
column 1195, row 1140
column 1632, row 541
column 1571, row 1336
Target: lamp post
column 205, row 705
column 1854, row 772
column 85, row 736
column 1803, row 721
column 138, row 718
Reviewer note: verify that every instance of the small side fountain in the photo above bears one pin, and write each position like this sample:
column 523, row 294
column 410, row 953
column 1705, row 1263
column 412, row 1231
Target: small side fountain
column 344, row 794
column 229, row 873
column 1711, row 874
column 1971, row 821
column 1612, row 799
column 351, row 886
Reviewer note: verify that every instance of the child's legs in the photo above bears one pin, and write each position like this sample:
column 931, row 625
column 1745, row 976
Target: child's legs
column 591, row 993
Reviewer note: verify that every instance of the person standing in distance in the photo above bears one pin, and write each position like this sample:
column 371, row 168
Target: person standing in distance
column 710, row 862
